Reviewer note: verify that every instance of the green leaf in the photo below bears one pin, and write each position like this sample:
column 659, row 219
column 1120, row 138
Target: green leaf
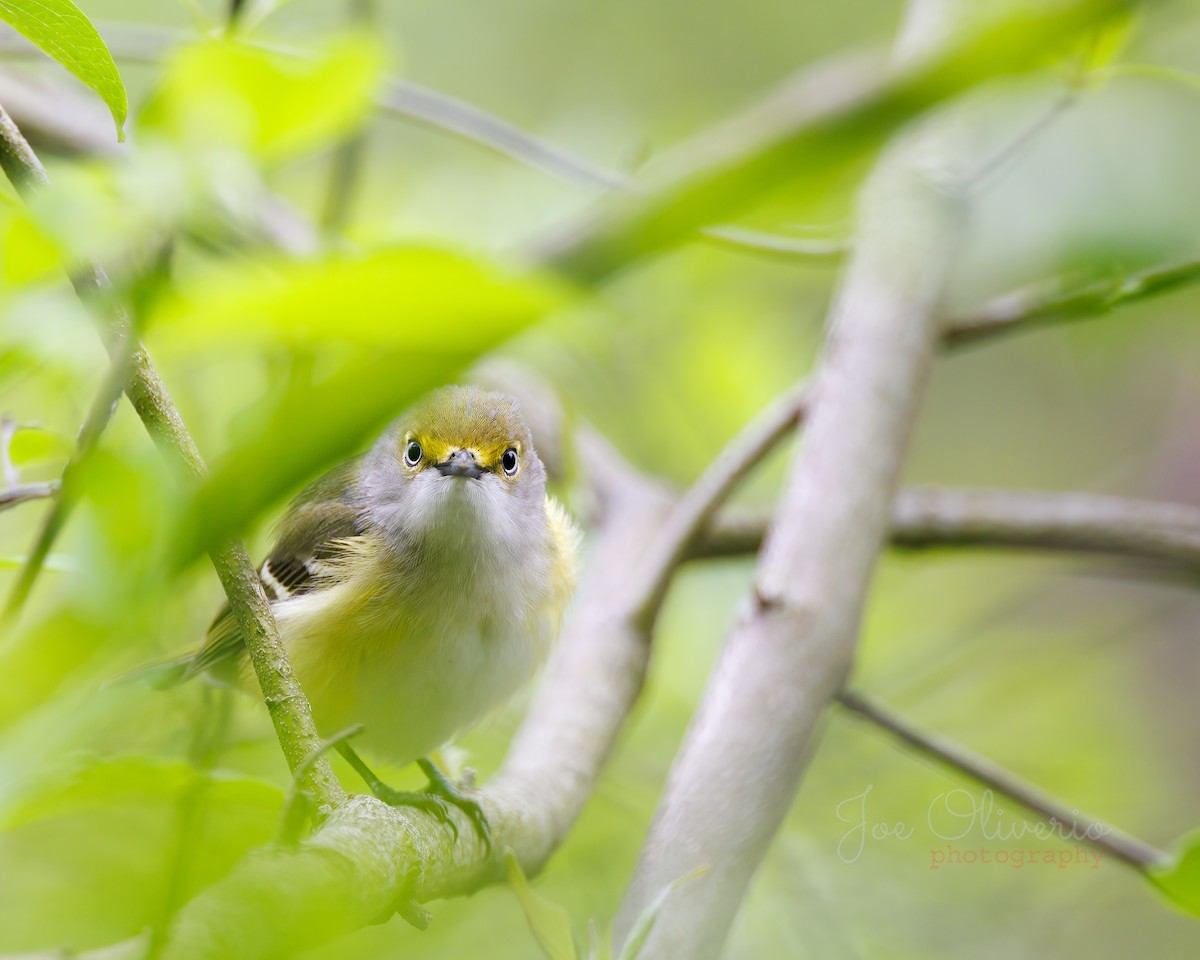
column 94, row 781
column 726, row 177
column 107, row 839
column 55, row 562
column 58, row 28
column 274, row 106
column 417, row 298
column 1180, row 880
column 30, row 253
column 1108, row 42
column 550, row 923
column 649, row 917
column 35, row 445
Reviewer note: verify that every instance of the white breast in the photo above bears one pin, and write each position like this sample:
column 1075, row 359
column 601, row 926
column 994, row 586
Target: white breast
column 419, row 644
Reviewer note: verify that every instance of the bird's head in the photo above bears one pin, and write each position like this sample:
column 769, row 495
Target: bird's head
column 460, row 463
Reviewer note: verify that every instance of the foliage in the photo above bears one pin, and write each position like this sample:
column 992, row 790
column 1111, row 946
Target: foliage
column 62, row 31
column 287, row 346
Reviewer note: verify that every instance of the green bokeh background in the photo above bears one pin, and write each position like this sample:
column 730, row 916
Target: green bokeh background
column 1066, row 670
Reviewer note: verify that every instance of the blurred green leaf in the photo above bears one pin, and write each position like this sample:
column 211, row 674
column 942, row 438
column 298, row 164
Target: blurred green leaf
column 1180, row 882
column 56, row 562
column 644, row 924
column 100, row 781
column 550, row 923
column 59, row 29
column 30, row 253
column 806, row 137
column 35, row 445
column 227, row 93
column 425, row 300
column 1110, row 41
column 105, row 838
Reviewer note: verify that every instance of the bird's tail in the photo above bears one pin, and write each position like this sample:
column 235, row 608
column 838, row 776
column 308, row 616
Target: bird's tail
column 160, row 675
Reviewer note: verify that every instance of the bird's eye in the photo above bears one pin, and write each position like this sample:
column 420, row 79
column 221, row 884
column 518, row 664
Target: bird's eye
column 509, row 461
column 412, row 453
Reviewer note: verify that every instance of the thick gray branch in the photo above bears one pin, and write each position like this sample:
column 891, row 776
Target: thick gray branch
column 787, row 656
column 736, row 773
column 930, row 517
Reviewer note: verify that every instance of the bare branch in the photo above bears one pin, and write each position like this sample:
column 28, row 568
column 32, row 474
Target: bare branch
column 98, row 417
column 929, row 517
column 450, row 115
column 1070, row 822
column 1045, row 304
column 1092, row 523
column 22, row 493
column 778, row 246
column 285, row 700
column 691, row 515
column 401, row 98
column 15, row 492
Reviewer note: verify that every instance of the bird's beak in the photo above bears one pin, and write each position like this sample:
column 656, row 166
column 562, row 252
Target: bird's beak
column 461, row 463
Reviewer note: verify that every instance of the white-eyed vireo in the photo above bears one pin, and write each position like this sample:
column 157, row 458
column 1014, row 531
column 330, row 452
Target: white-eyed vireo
column 417, row 586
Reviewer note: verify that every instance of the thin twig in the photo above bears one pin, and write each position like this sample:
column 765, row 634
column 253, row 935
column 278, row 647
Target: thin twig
column 349, row 156
column 447, row 114
column 1050, row 303
column 401, row 98
column 692, row 513
column 14, row 491
column 98, row 417
column 22, row 493
column 1070, row 823
column 778, row 246
column 8, row 470
column 975, row 181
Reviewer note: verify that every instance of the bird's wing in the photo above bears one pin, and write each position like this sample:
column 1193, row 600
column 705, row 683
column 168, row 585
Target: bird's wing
column 315, row 528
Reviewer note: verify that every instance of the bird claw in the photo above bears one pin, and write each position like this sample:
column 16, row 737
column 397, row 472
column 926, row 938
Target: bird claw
column 436, row 800
column 448, row 795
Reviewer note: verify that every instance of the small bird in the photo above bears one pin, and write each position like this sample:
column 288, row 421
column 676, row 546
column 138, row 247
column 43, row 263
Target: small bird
column 417, row 586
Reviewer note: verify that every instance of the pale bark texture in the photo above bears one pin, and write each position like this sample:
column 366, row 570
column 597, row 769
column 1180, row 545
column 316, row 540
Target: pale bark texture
column 793, row 644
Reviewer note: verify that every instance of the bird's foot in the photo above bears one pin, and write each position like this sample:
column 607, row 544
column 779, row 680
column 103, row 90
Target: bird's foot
column 436, row 799
column 442, row 789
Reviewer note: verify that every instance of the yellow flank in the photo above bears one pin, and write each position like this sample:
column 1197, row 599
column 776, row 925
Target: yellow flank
column 564, row 570
column 417, row 670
